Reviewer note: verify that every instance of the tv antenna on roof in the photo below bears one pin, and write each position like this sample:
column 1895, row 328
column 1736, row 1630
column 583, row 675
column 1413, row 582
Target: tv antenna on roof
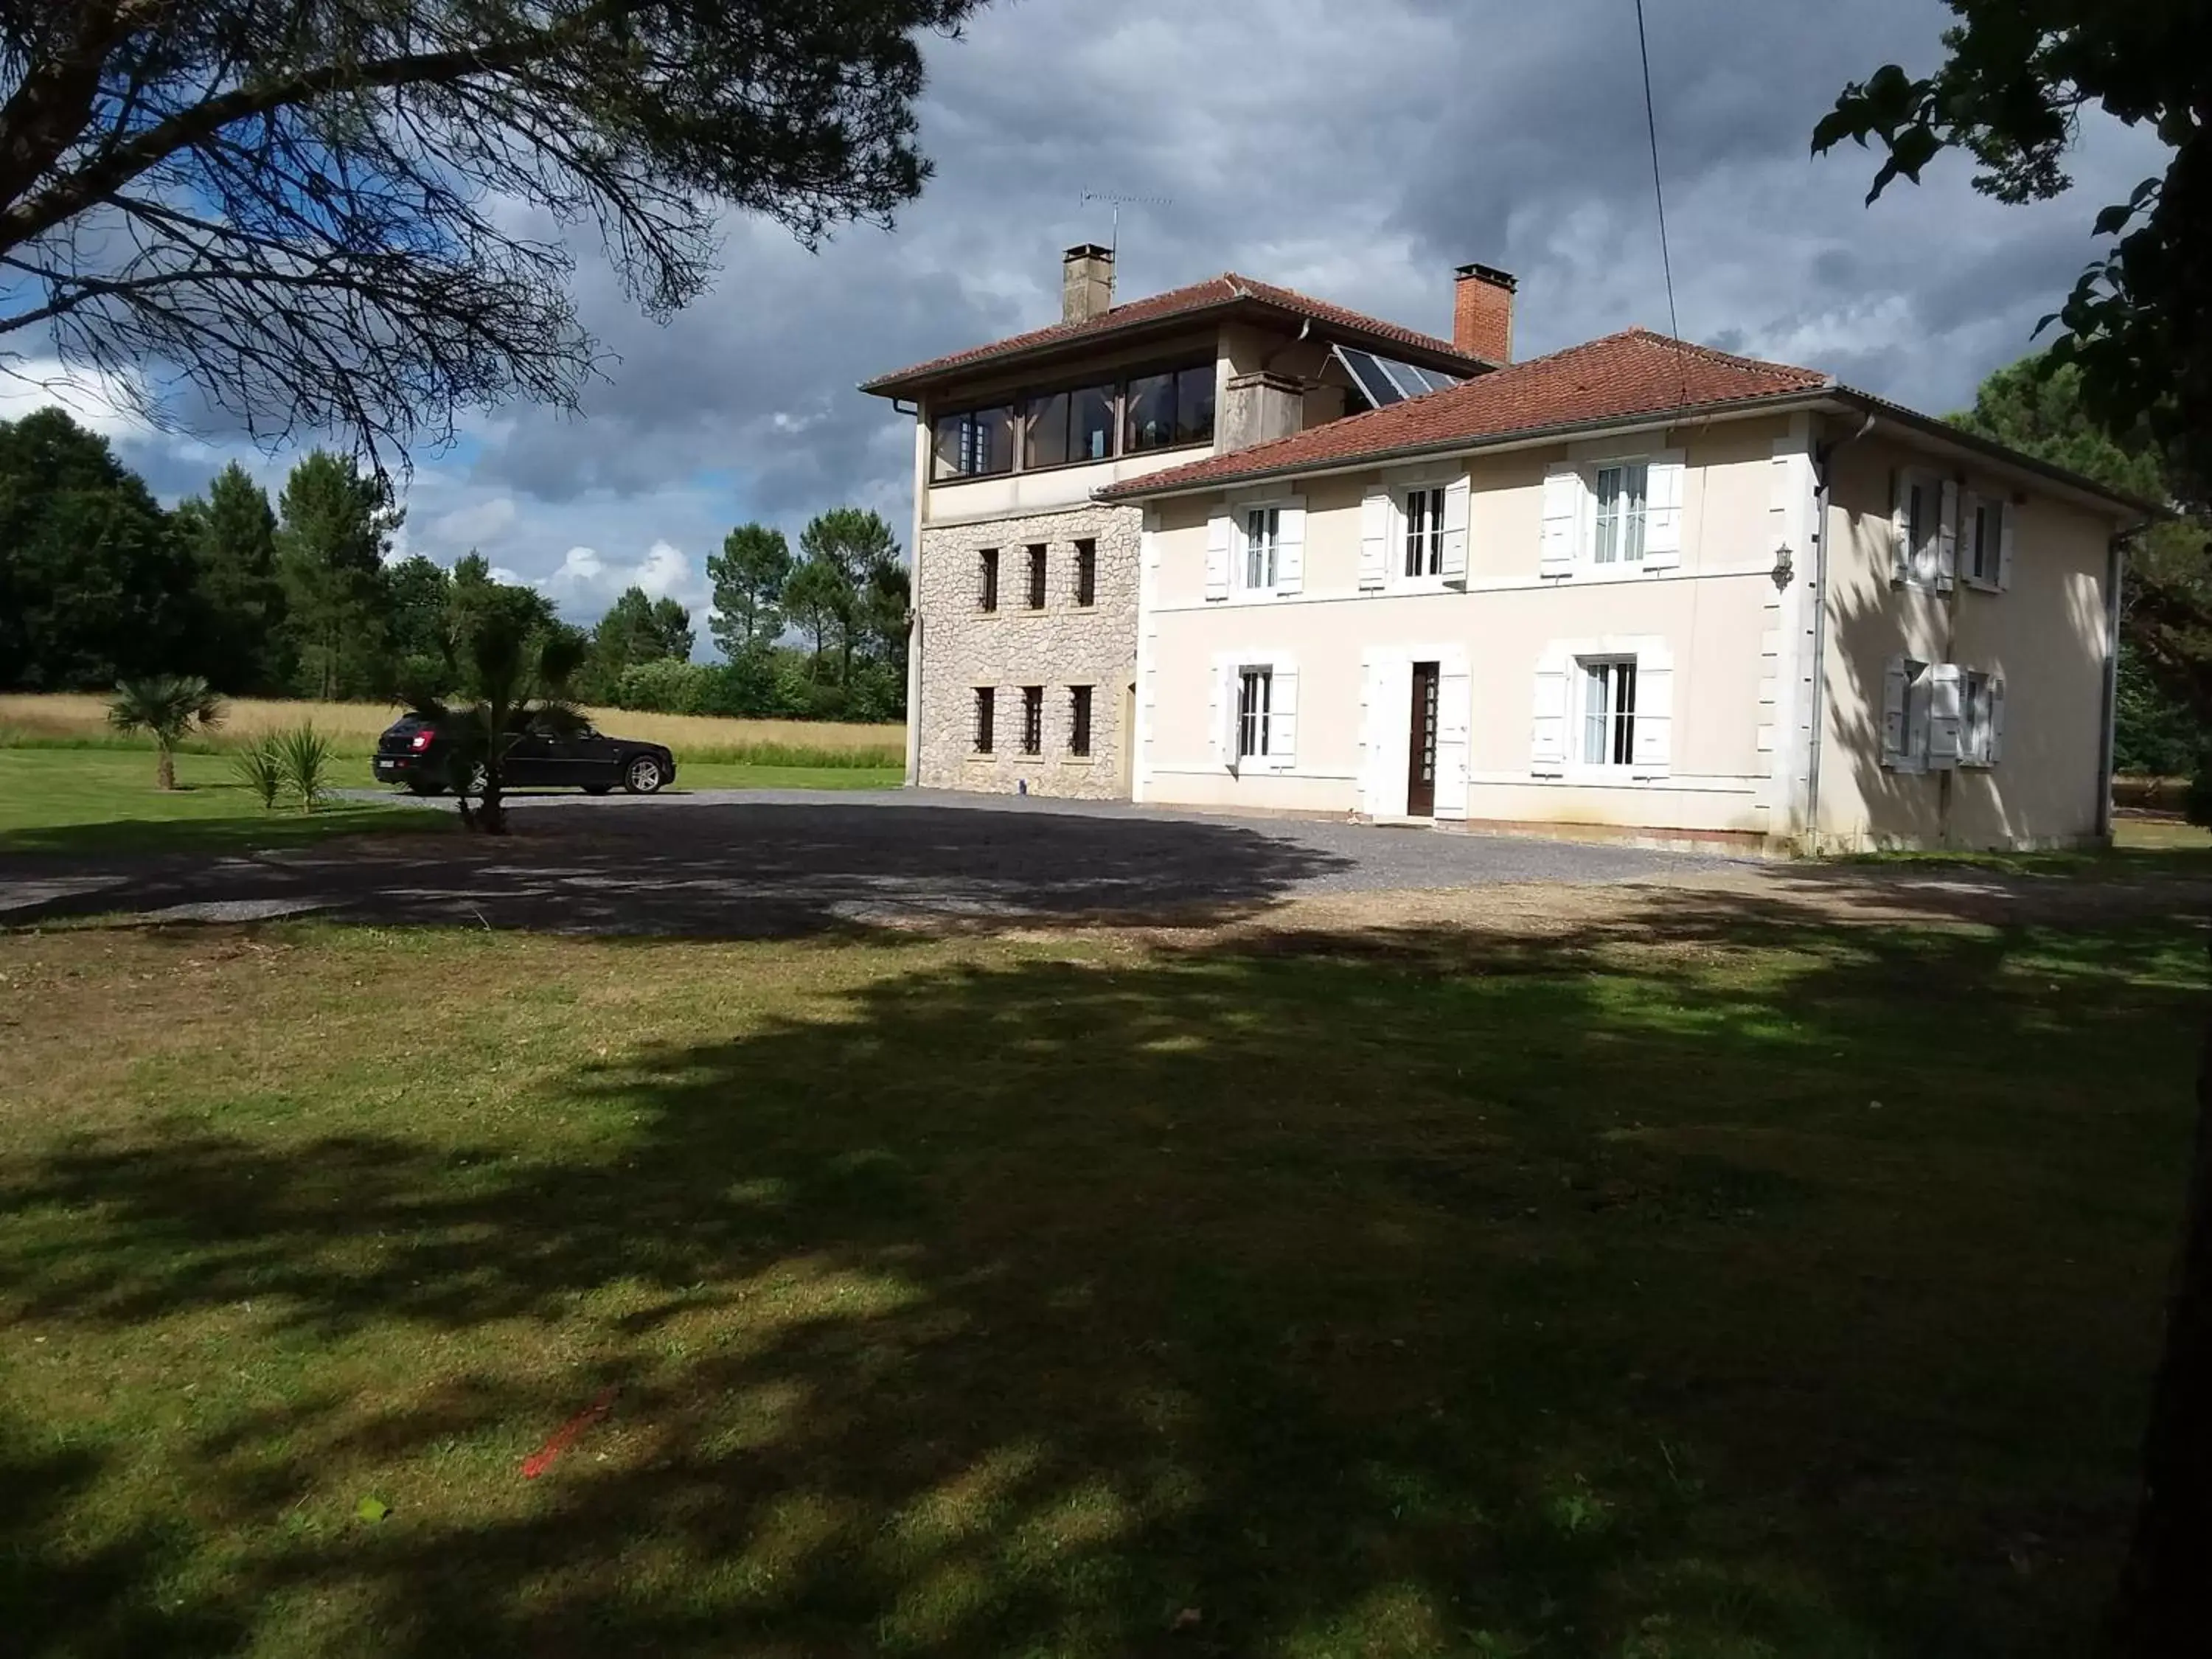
column 1114, row 243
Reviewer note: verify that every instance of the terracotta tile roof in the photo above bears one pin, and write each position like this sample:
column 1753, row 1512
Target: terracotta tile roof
column 1623, row 376
column 1215, row 294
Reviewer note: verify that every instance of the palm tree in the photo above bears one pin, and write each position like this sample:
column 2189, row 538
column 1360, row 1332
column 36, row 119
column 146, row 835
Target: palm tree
column 170, row 706
column 516, row 671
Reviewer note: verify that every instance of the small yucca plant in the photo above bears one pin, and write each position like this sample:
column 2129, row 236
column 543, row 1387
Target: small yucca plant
column 303, row 758
column 259, row 765
column 168, row 706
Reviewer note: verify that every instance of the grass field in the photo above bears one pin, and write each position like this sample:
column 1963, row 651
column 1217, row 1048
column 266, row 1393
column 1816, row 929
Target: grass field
column 81, row 718
column 1753, row 1291
column 103, row 800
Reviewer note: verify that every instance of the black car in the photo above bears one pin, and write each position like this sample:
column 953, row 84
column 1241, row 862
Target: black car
column 415, row 750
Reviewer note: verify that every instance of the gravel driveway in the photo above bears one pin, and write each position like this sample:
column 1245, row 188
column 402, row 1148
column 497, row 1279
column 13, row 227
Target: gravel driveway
column 754, row 864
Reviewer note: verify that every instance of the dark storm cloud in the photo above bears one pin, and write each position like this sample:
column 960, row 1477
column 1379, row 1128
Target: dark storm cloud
column 1358, row 152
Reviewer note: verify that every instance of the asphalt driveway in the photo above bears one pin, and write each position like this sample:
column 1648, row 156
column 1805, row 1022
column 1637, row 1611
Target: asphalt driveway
column 758, row 864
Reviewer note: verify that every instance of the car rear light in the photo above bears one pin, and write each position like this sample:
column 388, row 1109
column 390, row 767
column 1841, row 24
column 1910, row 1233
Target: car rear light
column 421, row 740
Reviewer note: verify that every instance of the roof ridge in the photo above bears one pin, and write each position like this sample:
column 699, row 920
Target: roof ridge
column 1714, row 354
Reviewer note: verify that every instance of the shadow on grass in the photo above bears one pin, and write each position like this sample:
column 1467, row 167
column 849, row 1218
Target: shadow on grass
column 245, row 832
column 1704, row 1288
column 756, row 871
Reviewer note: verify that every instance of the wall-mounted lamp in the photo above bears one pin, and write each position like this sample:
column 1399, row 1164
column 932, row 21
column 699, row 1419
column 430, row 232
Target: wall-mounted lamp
column 1783, row 568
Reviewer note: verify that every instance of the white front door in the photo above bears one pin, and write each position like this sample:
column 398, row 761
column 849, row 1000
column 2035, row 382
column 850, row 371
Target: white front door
column 1386, row 698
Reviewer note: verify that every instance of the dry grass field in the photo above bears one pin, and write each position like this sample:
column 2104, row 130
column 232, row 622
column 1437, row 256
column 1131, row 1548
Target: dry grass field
column 70, row 718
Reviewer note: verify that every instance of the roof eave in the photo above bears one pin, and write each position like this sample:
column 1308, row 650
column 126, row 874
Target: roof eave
column 1933, row 427
column 1518, row 438
column 907, row 383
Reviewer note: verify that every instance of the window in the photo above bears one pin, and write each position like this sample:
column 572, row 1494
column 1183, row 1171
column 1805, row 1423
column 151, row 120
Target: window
column 974, row 443
column 1622, row 492
column 1263, row 529
column 1255, row 697
column 1908, row 709
column 987, row 711
column 987, row 579
column 1062, row 427
column 1610, row 712
column 1977, row 706
column 1086, row 573
column 1032, row 719
column 1380, row 381
column 1920, row 530
column 1078, row 721
column 1424, row 532
column 1984, row 542
column 1036, row 551
column 1169, row 409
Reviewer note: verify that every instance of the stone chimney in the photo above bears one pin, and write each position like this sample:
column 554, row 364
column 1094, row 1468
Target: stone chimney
column 1260, row 408
column 1482, row 313
column 1086, row 282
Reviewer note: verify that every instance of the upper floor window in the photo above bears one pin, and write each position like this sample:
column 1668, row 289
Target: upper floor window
column 1038, row 566
column 1060, row 427
column 974, row 443
column 1622, row 490
column 1169, row 409
column 1425, row 532
column 1086, row 573
column 987, row 579
column 1263, row 529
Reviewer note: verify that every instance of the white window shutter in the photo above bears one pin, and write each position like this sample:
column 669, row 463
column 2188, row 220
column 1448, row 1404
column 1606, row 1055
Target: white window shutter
column 1655, row 715
column 1368, row 766
column 1996, row 721
column 1283, row 717
column 1221, row 714
column 1947, row 538
column 1458, row 497
column 1665, row 481
column 1945, row 716
column 1374, row 539
column 1547, row 749
column 2008, row 516
column 1220, row 540
column 1900, row 527
column 1563, row 511
column 1291, row 547
column 1896, row 698
column 1454, row 720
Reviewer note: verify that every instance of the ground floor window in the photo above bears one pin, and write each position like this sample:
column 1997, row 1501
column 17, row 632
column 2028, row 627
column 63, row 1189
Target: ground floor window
column 987, row 709
column 1609, row 711
column 1255, row 697
column 1032, row 719
column 1078, row 721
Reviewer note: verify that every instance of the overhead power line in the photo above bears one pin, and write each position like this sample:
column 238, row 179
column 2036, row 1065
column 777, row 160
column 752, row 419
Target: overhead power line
column 1659, row 195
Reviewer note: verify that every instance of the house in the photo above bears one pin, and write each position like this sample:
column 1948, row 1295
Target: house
column 1234, row 548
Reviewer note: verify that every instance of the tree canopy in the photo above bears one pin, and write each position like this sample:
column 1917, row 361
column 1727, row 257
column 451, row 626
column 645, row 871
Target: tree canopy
column 345, row 216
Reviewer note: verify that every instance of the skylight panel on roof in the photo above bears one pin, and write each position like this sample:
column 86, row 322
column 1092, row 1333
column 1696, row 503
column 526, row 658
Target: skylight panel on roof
column 1368, row 373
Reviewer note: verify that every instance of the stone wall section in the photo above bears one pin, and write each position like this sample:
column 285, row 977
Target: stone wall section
column 1063, row 645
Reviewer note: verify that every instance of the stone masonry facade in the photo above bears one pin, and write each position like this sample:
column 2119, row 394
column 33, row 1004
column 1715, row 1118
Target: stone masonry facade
column 1060, row 646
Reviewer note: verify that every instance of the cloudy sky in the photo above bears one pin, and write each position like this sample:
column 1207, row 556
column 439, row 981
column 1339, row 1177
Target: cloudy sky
column 1357, row 152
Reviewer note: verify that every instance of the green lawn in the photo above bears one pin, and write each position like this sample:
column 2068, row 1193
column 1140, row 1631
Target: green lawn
column 1762, row 1290
column 103, row 800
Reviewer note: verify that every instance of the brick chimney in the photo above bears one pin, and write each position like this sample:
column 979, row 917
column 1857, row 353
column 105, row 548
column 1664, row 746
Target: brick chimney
column 1086, row 282
column 1482, row 313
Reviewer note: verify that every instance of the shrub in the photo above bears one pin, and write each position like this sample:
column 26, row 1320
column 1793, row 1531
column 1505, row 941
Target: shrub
column 258, row 764
column 664, row 686
column 2197, row 807
column 304, row 756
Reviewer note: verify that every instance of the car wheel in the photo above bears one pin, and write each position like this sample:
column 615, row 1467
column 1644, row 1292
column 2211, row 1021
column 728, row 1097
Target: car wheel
column 644, row 774
column 473, row 783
